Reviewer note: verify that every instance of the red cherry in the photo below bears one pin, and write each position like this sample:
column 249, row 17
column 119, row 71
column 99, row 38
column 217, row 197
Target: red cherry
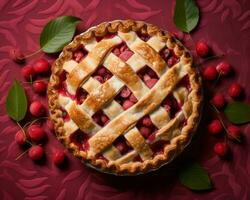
column 234, row 132
column 209, row 73
column 202, row 49
column 20, row 137
column 36, row 152
column 36, row 133
column 96, row 118
column 165, row 53
column 101, row 71
column 122, row 147
column 104, row 119
column 16, row 55
column 37, row 109
column 151, row 82
column 215, row 127
column 127, row 104
column 41, row 66
column 125, row 92
column 125, row 55
column 220, row 149
column 145, row 131
column 146, row 121
column 172, row 61
column 78, row 55
column 58, row 157
column 218, row 101
column 146, row 77
column 223, row 68
column 40, row 86
column 99, row 78
column 28, row 72
column 132, row 98
column 235, row 90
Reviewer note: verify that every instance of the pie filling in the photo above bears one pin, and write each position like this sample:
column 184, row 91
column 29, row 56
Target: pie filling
column 125, row 98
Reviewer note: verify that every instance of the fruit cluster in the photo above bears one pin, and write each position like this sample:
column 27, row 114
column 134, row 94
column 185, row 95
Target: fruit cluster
column 32, row 134
column 218, row 100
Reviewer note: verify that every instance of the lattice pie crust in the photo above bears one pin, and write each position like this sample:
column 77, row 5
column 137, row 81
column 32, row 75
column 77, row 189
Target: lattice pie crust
column 97, row 144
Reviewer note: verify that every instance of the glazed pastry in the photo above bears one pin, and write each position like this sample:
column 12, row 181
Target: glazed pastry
column 124, row 97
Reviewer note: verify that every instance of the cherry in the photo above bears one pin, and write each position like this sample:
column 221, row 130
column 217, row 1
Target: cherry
column 218, row 101
column 215, row 127
column 202, row 49
column 223, row 68
column 145, row 131
column 151, row 82
column 209, row 73
column 234, row 90
column 99, row 78
column 122, row 147
column 28, row 72
column 41, row 66
column 171, row 61
column 20, row 137
column 146, row 121
column 221, row 149
column 127, row 104
column 36, row 152
column 234, row 132
column 58, row 157
column 36, row 133
column 78, row 55
column 104, row 119
column 132, row 98
column 125, row 93
column 37, row 109
column 40, row 86
column 16, row 55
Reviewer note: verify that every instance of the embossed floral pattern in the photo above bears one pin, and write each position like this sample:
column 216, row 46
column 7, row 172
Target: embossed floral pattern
column 224, row 24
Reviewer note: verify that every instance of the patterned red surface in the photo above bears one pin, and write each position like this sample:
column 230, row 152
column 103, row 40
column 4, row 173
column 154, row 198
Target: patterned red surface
column 224, row 24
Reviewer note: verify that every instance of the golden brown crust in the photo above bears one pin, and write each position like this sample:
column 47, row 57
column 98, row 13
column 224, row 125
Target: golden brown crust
column 176, row 144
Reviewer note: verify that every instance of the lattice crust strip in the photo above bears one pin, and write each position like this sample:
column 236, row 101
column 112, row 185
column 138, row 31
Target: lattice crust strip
column 118, row 68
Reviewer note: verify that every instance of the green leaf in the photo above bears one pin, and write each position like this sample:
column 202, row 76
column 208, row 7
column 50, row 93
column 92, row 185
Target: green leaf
column 57, row 33
column 16, row 104
column 238, row 112
column 186, row 15
column 194, row 177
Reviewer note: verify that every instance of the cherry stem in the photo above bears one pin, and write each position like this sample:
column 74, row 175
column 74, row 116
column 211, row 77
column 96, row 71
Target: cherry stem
column 32, row 54
column 217, row 80
column 32, row 122
column 22, row 128
column 222, row 123
column 210, row 58
column 20, row 155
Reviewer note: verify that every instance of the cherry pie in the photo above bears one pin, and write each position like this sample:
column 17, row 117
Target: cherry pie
column 124, row 97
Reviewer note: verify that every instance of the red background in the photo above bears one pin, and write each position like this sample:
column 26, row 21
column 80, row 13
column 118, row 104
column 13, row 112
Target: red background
column 225, row 25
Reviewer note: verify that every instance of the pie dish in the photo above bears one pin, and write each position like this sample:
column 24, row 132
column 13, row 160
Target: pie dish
column 124, row 97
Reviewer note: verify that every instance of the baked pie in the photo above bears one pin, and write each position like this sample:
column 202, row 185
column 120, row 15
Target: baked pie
column 124, row 97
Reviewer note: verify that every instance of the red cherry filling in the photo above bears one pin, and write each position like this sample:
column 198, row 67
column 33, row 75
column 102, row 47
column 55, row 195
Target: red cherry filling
column 80, row 139
column 79, row 54
column 81, row 95
column 148, row 76
column 100, row 118
column 65, row 115
column 123, row 52
column 125, row 98
column 171, row 105
column 146, row 127
column 143, row 36
column 158, row 146
column 169, row 56
column 102, row 74
column 122, row 145
column 185, row 82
